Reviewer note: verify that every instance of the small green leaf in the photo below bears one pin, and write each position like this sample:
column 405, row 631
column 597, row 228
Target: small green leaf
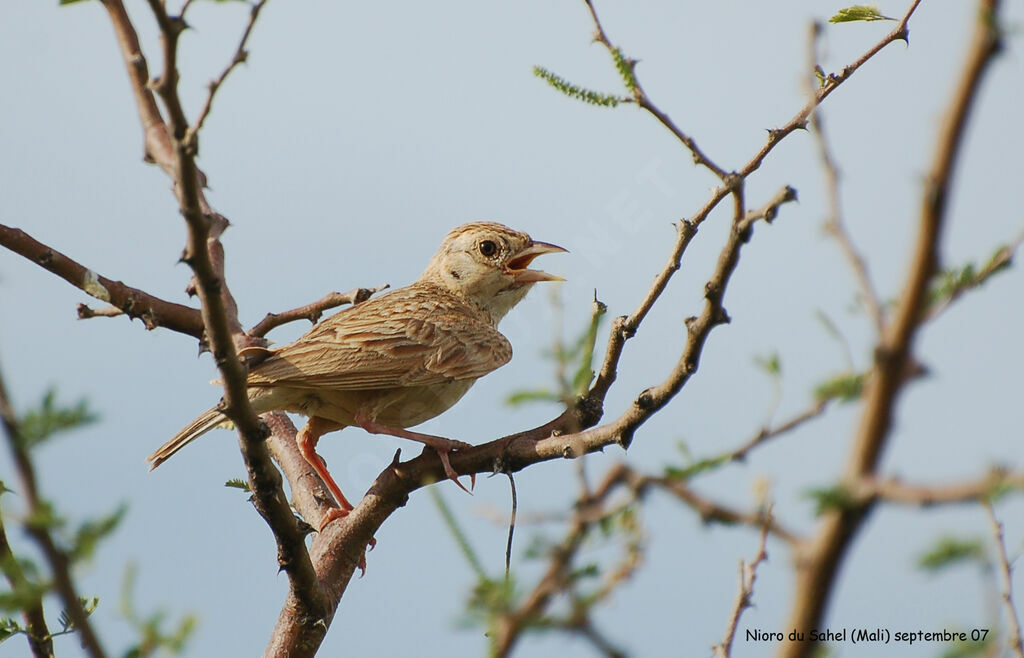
column 625, row 69
column 685, row 473
column 859, row 13
column 574, row 91
column 844, row 388
column 771, row 364
column 89, row 534
column 50, row 418
column 523, row 397
column 949, row 551
column 89, row 605
column 238, row 483
column 829, row 498
column 9, row 627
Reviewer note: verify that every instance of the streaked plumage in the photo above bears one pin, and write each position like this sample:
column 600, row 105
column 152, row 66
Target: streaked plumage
column 399, row 359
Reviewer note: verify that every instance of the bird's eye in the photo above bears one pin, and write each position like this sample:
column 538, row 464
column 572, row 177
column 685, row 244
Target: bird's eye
column 488, row 248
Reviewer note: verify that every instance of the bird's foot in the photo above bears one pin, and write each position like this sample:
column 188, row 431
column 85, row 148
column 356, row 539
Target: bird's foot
column 449, row 471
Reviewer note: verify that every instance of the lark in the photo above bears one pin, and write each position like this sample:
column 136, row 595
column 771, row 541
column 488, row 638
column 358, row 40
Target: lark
column 399, row 359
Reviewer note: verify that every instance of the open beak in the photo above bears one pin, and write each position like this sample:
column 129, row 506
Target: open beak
column 519, row 264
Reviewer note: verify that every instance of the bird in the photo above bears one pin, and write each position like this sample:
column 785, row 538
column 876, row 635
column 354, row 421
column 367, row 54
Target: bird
column 398, row 359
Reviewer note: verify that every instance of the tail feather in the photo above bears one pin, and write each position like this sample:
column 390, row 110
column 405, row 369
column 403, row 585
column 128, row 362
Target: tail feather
column 201, row 425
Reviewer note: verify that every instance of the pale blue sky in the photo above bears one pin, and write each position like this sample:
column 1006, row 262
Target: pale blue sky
column 356, row 136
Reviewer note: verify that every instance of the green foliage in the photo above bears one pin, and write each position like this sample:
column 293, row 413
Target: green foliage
column 575, row 91
column 67, row 2
column 949, row 551
column 983, row 647
column 89, row 534
column 529, row 396
column 684, row 473
column 953, row 281
column 457, row 534
column 830, row 498
column 238, row 483
column 36, row 425
column 89, row 604
column 625, row 68
column 859, row 13
column 9, row 627
column 771, row 364
column 844, row 388
column 577, row 358
column 24, row 595
column 152, row 637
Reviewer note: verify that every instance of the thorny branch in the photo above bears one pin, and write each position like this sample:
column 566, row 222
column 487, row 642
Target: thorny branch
column 819, row 561
column 40, row 642
column 153, row 311
column 336, row 552
column 38, row 529
column 834, row 220
column 312, row 312
column 744, row 597
column 169, row 145
column 1006, row 582
column 240, row 56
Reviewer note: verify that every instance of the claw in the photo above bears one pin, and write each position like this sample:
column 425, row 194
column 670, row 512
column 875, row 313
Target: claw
column 450, row 472
column 332, row 514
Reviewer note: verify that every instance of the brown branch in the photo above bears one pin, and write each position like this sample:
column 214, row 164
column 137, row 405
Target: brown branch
column 312, row 312
column 817, row 569
column 625, row 328
column 166, row 145
column 37, row 527
column 641, row 99
column 1002, row 258
column 1003, row 563
column 86, row 312
column 892, row 490
column 590, row 509
column 339, row 549
column 40, row 642
column 766, row 433
column 709, row 511
column 153, row 311
column 240, row 56
column 748, row 574
column 834, row 223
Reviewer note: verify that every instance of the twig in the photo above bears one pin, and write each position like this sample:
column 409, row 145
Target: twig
column 834, row 220
column 312, row 312
column 37, row 528
column 239, row 57
column 1014, row 641
column 748, row 574
column 153, row 311
column 1002, row 258
column 892, row 490
column 590, row 509
column 641, row 99
column 766, row 433
column 818, row 568
column 86, row 312
column 40, row 643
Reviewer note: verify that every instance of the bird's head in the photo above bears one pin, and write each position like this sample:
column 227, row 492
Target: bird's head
column 488, row 263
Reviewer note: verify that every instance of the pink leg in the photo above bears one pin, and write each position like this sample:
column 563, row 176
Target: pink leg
column 442, row 445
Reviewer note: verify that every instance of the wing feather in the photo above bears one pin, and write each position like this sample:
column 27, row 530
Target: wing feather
column 411, row 337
